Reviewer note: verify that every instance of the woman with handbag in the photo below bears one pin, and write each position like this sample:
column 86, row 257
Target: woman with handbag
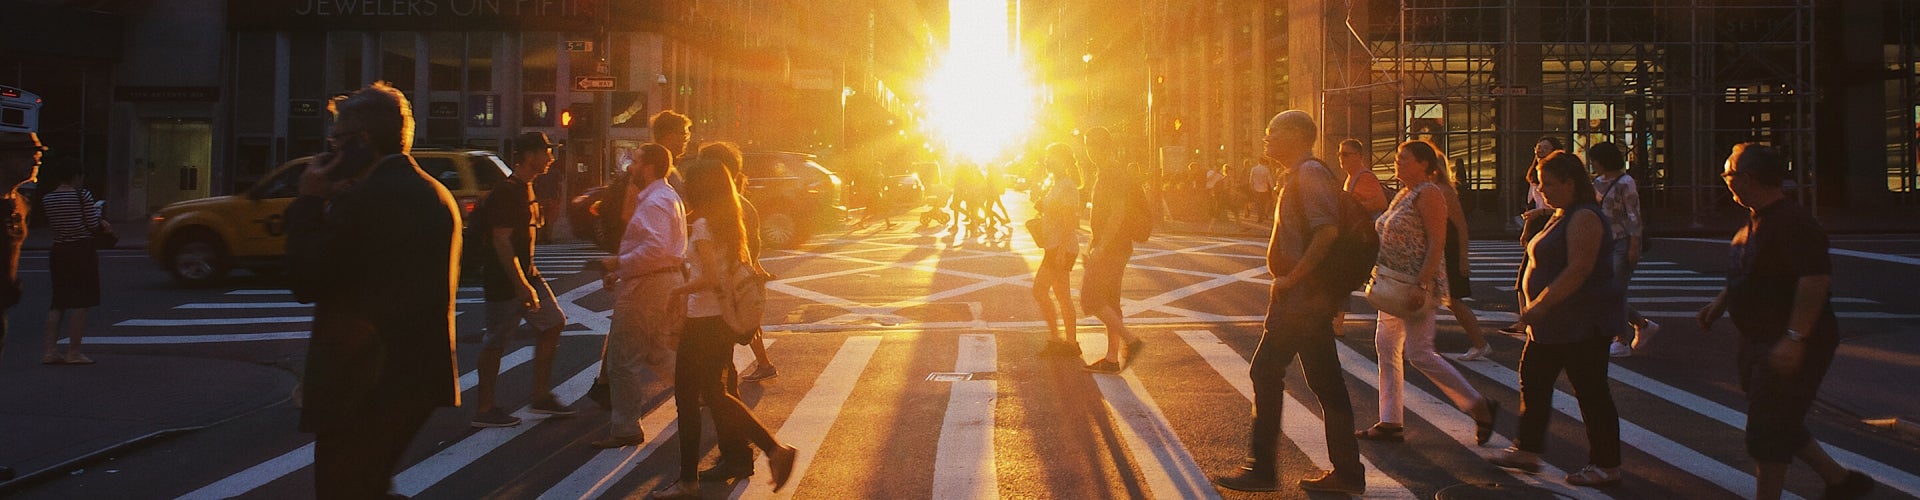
column 1573, row 309
column 74, row 261
column 1057, row 233
column 718, row 245
column 1409, row 280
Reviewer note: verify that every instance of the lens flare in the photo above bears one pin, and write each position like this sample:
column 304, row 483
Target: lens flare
column 980, row 99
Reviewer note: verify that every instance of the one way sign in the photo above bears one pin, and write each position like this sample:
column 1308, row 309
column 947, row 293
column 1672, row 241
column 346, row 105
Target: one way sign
column 593, row 83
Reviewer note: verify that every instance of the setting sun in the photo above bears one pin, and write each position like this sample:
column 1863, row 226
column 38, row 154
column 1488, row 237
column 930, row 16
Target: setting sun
column 980, row 98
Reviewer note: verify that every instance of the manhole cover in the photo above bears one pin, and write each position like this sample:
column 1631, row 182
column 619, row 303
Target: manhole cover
column 949, row 376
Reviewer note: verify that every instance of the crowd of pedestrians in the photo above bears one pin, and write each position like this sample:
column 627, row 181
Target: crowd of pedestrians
column 375, row 245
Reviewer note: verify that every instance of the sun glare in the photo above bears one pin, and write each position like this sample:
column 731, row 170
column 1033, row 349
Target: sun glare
column 980, row 99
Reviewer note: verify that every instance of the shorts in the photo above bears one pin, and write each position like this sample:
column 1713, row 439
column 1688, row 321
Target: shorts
column 1777, row 405
column 1459, row 285
column 1056, row 263
column 504, row 316
column 1100, row 284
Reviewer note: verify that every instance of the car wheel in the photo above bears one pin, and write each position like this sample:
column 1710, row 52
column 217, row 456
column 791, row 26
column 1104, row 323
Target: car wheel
column 779, row 231
column 197, row 262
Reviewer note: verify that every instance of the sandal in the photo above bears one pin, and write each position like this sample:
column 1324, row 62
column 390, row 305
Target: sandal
column 1483, row 431
column 1382, row 432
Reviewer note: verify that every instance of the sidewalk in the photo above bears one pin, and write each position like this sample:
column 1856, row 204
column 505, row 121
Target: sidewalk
column 58, row 418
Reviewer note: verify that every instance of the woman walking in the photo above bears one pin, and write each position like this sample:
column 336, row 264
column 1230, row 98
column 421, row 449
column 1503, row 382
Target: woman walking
column 73, row 261
column 1059, row 236
column 1413, row 235
column 1533, row 217
column 1620, row 199
column 1572, row 311
column 718, row 243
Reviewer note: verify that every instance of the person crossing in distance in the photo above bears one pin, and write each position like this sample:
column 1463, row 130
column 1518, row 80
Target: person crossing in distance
column 1779, row 296
column 1058, row 203
column 515, row 291
column 717, row 243
column 1413, row 233
column 1620, row 199
column 1299, row 319
column 643, row 276
column 373, row 243
column 1572, row 311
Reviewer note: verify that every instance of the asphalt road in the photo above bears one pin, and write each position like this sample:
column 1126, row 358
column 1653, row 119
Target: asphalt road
column 861, row 325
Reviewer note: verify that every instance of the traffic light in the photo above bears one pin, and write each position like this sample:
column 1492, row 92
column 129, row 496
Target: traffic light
column 566, row 118
column 582, row 120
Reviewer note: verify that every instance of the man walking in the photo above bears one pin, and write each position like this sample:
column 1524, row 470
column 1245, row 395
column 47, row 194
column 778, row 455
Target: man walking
column 1778, row 295
column 371, row 242
column 1300, row 317
column 1260, row 180
column 19, row 161
column 507, row 219
column 1120, row 217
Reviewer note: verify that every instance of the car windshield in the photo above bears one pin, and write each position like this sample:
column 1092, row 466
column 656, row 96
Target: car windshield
column 441, row 168
column 489, row 176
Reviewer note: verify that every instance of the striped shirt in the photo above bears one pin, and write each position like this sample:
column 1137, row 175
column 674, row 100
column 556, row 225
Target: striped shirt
column 71, row 214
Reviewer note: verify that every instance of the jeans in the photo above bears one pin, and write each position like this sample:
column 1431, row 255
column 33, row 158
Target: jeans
column 1586, row 365
column 1414, row 338
column 700, row 377
column 1300, row 322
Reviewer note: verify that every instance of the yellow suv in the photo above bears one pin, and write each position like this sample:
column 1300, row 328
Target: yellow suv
column 198, row 241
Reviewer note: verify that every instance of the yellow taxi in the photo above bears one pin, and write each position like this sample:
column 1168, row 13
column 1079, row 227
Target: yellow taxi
column 199, row 241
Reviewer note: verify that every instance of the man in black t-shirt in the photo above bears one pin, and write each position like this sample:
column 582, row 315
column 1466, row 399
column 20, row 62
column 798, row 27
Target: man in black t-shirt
column 508, row 217
column 1779, row 295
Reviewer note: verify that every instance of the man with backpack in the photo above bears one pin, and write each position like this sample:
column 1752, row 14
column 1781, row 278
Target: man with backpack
column 1312, row 255
column 1120, row 217
column 505, row 223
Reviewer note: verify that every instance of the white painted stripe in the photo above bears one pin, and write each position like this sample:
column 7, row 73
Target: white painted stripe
column 216, row 321
column 266, row 472
column 278, row 305
column 1702, row 299
column 1305, row 429
column 192, row 339
column 1169, row 469
column 963, row 463
column 1481, row 278
column 607, row 467
column 1459, row 426
column 1887, row 475
column 451, row 459
column 1668, row 288
column 806, row 428
column 258, row 291
column 1896, row 259
column 1666, row 450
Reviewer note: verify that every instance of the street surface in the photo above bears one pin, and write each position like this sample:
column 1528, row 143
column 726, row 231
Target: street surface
column 908, row 369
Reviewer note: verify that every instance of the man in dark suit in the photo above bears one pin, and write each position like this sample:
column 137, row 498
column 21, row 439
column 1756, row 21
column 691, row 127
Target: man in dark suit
column 373, row 243
column 19, row 161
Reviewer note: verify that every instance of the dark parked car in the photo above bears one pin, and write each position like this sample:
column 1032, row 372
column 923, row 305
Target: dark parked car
column 904, row 192
column 796, row 197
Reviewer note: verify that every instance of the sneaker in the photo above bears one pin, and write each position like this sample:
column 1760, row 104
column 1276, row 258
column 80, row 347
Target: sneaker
column 781, row 461
column 1856, row 485
column 1619, row 350
column 1330, row 481
column 1248, row 479
column 1104, row 366
column 1595, row 476
column 1514, row 458
column 760, row 372
column 547, row 405
column 1643, row 335
column 495, row 418
column 1474, row 354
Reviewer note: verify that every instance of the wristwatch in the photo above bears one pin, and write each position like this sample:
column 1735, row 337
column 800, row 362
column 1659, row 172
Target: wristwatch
column 1795, row 336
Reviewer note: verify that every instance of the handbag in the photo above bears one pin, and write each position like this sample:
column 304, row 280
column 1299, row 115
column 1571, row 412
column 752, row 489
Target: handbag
column 1036, row 228
column 1395, row 293
column 104, row 239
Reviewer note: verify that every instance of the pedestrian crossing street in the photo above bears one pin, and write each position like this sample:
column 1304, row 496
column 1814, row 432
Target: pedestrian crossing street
column 1002, row 422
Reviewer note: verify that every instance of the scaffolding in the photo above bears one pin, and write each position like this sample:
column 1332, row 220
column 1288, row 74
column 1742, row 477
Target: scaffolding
column 1675, row 83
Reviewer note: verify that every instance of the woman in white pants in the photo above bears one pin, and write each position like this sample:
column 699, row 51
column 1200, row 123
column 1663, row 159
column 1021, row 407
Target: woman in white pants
column 1412, row 243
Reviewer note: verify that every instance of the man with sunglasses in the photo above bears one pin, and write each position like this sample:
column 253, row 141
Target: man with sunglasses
column 372, row 242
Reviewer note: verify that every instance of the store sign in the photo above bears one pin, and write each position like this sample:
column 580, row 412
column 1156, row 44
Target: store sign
column 443, row 109
column 303, row 107
column 428, row 15
column 167, row 94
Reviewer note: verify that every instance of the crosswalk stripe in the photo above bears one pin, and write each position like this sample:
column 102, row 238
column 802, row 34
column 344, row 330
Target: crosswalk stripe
column 426, row 473
column 1305, row 430
column 806, row 427
column 1457, row 425
column 276, row 305
column 963, row 464
column 1169, row 469
column 1887, row 475
column 216, row 321
column 1666, row 450
column 591, row 480
column 192, row 339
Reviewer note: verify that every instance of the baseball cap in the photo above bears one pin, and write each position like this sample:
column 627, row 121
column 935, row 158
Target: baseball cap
column 532, row 140
column 21, row 141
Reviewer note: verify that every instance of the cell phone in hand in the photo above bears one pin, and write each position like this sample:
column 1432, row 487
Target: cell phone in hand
column 355, row 157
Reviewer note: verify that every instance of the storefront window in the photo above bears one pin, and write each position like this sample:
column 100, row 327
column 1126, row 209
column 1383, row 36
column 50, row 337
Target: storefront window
column 344, row 60
column 397, row 55
column 480, row 47
column 443, row 60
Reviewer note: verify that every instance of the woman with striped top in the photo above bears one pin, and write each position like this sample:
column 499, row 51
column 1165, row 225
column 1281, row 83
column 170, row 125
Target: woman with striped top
column 73, row 262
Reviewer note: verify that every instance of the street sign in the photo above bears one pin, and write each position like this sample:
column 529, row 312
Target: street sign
column 593, row 83
column 579, row 45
